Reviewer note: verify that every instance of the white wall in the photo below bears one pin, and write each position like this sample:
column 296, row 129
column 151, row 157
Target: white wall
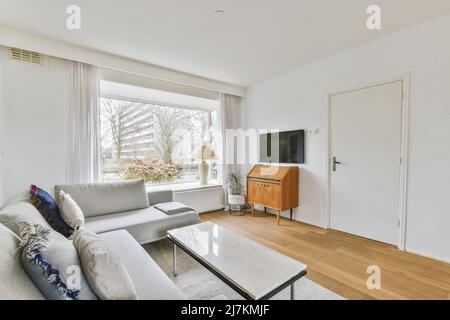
column 36, row 104
column 298, row 100
column 2, row 134
column 10, row 37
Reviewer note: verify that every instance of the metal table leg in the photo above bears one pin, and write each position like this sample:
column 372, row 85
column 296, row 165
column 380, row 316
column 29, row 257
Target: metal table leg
column 293, row 291
column 174, row 261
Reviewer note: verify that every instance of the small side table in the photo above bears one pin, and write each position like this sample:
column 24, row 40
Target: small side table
column 237, row 201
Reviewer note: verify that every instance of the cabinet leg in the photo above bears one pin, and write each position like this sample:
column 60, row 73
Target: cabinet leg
column 278, row 217
column 291, row 213
column 253, row 209
column 265, row 210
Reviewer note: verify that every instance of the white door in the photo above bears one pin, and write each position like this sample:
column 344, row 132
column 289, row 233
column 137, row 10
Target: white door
column 365, row 161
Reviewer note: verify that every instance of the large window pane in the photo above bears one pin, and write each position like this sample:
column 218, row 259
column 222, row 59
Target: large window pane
column 154, row 142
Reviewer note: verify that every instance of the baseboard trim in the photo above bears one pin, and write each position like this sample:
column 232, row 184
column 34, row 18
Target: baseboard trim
column 427, row 256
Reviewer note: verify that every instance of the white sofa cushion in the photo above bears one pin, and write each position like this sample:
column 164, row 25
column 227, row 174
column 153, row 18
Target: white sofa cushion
column 150, row 282
column 14, row 281
column 97, row 199
column 145, row 225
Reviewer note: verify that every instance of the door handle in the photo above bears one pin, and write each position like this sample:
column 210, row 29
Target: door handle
column 335, row 163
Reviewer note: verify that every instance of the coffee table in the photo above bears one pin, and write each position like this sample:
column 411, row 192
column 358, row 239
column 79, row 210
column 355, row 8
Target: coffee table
column 251, row 269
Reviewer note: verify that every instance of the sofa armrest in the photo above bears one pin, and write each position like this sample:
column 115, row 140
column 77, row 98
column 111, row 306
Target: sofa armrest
column 160, row 196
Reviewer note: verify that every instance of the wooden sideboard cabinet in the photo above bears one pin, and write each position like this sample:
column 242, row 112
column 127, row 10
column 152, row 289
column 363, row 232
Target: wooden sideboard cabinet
column 273, row 187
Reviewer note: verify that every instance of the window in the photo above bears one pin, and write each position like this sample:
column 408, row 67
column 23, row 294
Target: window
column 155, row 141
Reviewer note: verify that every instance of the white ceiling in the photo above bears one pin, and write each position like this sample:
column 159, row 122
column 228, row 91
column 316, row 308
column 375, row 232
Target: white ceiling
column 254, row 39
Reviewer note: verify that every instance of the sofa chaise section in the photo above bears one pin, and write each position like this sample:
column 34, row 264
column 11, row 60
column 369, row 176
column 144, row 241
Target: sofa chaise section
column 150, row 281
column 127, row 205
column 146, row 225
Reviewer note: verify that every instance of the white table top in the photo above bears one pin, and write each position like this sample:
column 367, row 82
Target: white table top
column 254, row 268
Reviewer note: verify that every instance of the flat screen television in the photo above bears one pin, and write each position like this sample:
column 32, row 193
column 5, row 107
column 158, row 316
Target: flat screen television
column 282, row 147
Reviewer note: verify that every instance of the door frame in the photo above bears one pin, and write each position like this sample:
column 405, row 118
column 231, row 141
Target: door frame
column 403, row 172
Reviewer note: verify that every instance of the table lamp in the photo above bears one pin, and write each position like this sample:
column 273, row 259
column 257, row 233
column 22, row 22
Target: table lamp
column 203, row 153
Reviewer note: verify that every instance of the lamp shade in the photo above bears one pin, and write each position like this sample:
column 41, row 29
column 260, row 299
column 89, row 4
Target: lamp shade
column 204, row 152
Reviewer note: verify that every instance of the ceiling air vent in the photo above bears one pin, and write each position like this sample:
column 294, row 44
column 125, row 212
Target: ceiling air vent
column 25, row 55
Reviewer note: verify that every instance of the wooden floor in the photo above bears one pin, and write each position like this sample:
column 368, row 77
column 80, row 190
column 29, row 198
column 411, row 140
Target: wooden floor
column 339, row 261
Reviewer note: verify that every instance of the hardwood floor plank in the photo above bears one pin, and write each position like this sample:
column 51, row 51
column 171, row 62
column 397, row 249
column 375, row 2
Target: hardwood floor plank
column 394, row 279
column 337, row 286
column 437, row 277
column 339, row 261
column 390, row 250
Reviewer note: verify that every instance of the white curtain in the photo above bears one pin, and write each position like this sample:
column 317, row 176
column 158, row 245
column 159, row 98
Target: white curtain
column 83, row 154
column 230, row 118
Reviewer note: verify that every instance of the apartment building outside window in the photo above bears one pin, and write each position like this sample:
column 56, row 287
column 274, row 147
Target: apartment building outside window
column 153, row 140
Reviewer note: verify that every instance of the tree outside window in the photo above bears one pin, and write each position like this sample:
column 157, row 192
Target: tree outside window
column 150, row 141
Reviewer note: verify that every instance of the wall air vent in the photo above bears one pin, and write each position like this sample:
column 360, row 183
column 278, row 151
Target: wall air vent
column 25, row 55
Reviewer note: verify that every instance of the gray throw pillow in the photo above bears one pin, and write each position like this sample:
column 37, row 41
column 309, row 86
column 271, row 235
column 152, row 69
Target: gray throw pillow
column 51, row 261
column 103, row 267
column 173, row 207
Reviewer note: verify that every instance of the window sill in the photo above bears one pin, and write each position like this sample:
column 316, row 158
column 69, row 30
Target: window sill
column 186, row 186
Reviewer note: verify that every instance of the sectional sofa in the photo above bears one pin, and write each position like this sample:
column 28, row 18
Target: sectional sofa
column 122, row 213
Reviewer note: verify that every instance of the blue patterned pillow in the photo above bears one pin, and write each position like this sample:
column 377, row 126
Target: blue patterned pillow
column 46, row 205
column 52, row 263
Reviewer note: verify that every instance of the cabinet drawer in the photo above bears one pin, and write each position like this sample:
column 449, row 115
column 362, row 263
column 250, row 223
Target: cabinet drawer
column 255, row 192
column 273, row 195
column 267, row 194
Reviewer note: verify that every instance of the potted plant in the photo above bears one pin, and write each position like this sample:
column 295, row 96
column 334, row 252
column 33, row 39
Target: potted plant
column 235, row 190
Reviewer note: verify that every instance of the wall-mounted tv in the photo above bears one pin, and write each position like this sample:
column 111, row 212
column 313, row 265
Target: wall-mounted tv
column 282, row 147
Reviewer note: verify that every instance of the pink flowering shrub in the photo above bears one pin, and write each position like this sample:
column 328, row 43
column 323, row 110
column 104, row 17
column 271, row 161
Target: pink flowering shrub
column 151, row 170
